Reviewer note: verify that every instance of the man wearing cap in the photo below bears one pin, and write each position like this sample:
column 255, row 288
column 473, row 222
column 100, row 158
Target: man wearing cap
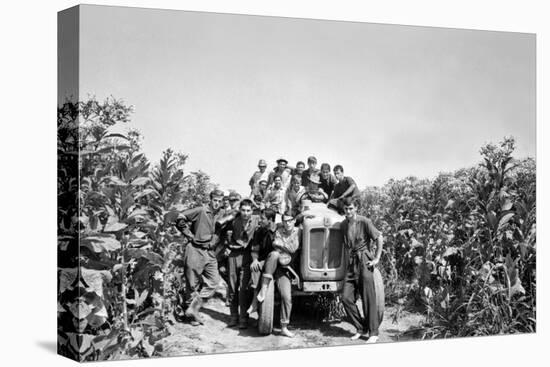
column 362, row 275
column 260, row 189
column 200, row 264
column 311, row 171
column 285, row 244
column 281, row 170
column 243, row 227
column 234, row 199
column 262, row 174
column 314, row 193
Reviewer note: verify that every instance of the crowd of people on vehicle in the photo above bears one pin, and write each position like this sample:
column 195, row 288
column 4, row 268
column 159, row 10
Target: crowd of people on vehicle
column 256, row 238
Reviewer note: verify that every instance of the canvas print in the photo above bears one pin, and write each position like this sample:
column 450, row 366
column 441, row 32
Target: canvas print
column 234, row 183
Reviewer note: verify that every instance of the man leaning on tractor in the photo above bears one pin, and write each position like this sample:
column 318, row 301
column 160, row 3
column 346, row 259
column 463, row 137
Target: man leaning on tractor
column 243, row 228
column 363, row 277
column 200, row 264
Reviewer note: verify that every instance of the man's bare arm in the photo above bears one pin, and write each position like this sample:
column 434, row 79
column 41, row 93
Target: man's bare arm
column 379, row 246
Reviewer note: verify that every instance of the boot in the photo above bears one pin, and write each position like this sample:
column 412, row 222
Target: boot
column 233, row 321
column 266, row 279
column 192, row 311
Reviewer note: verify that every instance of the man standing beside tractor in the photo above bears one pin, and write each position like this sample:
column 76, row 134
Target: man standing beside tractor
column 260, row 249
column 363, row 276
column 243, row 228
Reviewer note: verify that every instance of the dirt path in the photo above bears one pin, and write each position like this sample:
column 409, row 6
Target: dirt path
column 216, row 337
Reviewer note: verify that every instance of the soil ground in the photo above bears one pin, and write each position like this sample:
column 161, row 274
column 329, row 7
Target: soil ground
column 215, row 337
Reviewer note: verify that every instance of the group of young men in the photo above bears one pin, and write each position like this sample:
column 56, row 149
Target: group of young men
column 260, row 235
column 285, row 188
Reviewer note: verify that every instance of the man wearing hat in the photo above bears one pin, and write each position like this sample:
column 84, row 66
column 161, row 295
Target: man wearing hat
column 200, row 263
column 281, row 170
column 234, row 199
column 314, row 193
column 260, row 189
column 262, row 174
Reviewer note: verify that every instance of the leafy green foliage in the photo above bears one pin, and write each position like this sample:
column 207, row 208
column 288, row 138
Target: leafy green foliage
column 463, row 245
column 115, row 246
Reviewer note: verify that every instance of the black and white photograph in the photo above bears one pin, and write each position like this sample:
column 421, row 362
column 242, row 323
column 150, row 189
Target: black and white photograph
column 237, row 183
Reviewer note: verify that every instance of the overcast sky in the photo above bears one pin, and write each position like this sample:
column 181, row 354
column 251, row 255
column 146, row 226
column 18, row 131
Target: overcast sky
column 382, row 100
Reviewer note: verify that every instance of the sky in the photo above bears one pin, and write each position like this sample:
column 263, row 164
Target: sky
column 384, row 101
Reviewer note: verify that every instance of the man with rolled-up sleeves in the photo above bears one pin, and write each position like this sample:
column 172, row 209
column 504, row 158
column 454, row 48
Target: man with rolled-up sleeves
column 362, row 276
column 200, row 263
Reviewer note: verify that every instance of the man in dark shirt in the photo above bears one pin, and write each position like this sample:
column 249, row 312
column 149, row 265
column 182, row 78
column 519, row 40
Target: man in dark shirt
column 243, row 228
column 344, row 188
column 362, row 275
column 299, row 169
column 327, row 179
column 262, row 244
column 200, row 259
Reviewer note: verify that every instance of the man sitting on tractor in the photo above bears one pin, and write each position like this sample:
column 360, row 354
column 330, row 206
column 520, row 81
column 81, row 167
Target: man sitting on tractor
column 314, row 193
column 285, row 244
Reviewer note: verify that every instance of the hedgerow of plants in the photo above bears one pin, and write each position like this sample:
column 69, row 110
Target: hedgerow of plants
column 463, row 245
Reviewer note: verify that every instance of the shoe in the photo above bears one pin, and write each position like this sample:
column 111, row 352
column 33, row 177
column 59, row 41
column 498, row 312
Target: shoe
column 286, row 332
column 356, row 336
column 253, row 307
column 266, row 279
column 233, row 322
column 243, row 325
column 373, row 339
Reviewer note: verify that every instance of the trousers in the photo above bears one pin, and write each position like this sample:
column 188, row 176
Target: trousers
column 284, row 285
column 238, row 292
column 360, row 280
column 201, row 272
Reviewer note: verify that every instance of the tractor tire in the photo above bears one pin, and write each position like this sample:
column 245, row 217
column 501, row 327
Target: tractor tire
column 266, row 310
column 379, row 290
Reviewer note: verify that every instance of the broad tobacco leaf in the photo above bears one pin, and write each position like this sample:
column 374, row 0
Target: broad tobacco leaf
column 114, row 227
column 95, row 279
column 137, row 253
column 101, row 242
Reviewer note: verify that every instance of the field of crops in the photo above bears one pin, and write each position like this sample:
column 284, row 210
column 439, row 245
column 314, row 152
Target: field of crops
column 460, row 248
column 463, row 245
